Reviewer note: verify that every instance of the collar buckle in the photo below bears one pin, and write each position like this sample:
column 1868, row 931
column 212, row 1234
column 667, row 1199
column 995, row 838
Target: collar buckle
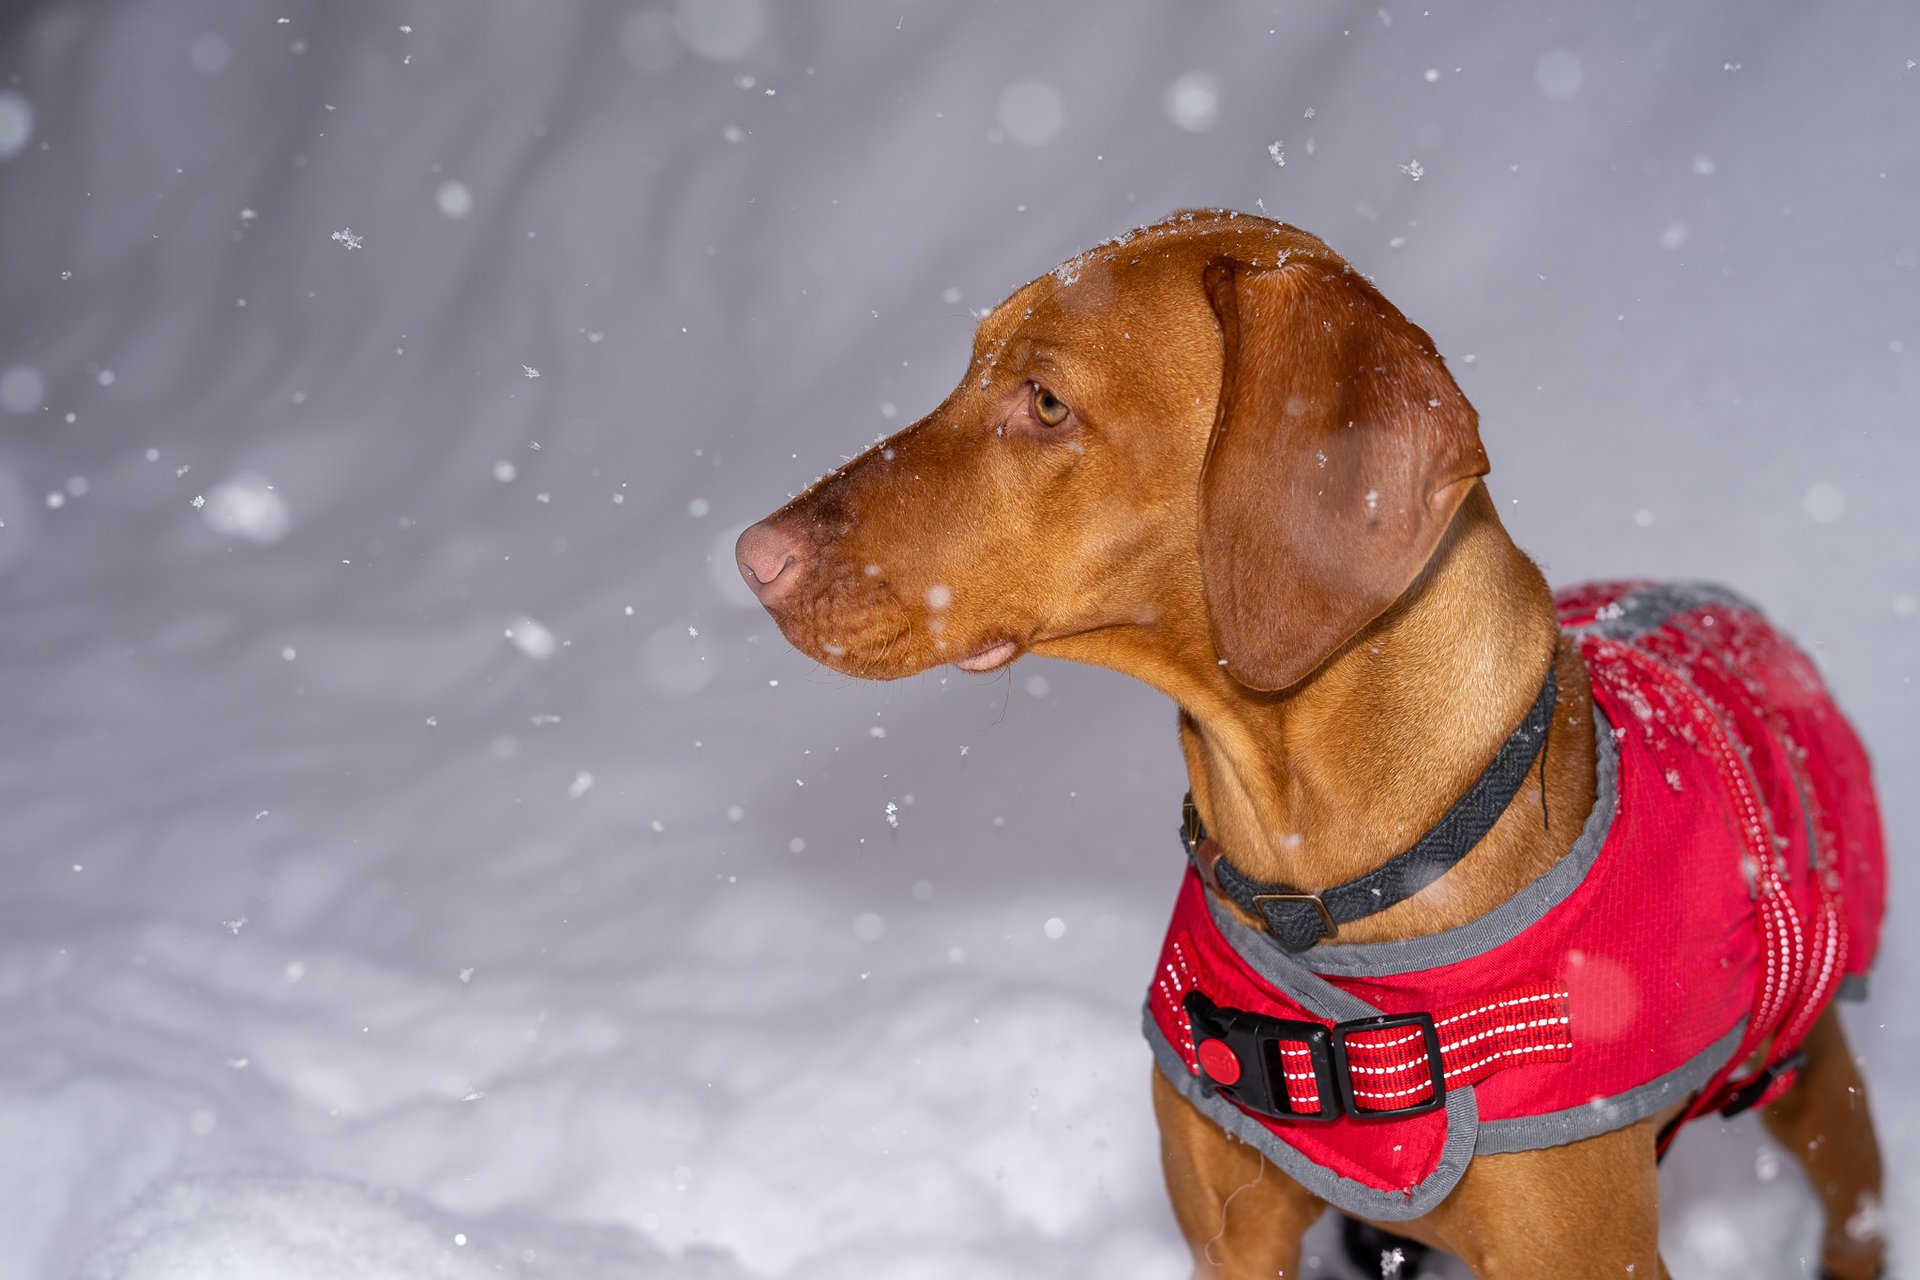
column 1289, row 921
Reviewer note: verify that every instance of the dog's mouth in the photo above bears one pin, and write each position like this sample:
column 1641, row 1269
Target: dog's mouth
column 991, row 658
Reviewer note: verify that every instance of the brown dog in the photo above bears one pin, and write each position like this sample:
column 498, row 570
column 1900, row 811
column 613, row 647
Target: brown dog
column 1100, row 487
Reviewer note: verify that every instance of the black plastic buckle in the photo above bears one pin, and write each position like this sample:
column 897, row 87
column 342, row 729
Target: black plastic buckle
column 1436, row 1069
column 1755, row 1089
column 1254, row 1040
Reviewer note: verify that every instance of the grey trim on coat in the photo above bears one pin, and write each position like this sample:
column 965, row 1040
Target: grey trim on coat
column 1639, row 612
column 1604, row 1115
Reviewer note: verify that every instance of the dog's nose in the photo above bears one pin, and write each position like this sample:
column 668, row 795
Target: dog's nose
column 769, row 559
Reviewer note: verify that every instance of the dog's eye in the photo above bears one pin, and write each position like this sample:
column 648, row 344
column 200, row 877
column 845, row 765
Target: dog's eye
column 1049, row 408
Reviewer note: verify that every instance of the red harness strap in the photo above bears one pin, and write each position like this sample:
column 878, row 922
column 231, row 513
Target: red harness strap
column 1388, row 1068
column 1370, row 1068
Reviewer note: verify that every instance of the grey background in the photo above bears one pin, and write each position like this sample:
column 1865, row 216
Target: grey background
column 281, row 766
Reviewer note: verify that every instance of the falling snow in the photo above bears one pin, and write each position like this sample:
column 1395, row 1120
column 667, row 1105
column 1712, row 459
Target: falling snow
column 423, row 838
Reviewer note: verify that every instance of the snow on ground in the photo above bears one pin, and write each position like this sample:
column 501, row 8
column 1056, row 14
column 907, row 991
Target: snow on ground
column 420, row 859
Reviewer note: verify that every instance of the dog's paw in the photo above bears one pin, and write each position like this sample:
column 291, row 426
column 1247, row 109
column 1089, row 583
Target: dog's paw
column 1376, row 1252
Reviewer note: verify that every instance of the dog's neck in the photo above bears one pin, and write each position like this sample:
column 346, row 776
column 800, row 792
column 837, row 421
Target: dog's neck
column 1326, row 781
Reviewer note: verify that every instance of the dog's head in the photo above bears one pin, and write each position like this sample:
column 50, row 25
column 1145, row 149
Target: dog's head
column 1206, row 444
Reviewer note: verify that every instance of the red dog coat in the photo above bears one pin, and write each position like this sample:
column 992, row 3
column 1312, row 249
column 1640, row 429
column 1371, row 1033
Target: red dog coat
column 1730, row 876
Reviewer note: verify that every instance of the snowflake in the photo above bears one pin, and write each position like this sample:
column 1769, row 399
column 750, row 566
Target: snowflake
column 346, row 237
column 1279, row 156
column 531, row 371
column 1414, row 169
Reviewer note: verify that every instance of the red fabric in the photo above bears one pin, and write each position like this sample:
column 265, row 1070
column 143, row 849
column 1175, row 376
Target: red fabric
column 1743, row 876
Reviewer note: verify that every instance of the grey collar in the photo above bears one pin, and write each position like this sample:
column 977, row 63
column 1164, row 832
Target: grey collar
column 1298, row 918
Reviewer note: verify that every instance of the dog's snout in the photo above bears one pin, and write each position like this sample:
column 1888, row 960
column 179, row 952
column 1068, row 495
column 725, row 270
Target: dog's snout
column 769, row 557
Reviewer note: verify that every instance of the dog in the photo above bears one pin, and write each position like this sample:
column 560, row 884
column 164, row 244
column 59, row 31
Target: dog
column 1488, row 891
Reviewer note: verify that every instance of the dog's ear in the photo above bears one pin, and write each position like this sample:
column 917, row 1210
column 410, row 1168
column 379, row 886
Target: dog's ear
column 1341, row 448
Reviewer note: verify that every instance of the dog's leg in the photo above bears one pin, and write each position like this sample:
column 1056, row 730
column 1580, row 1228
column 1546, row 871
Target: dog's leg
column 1823, row 1123
column 1242, row 1217
column 1587, row 1209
